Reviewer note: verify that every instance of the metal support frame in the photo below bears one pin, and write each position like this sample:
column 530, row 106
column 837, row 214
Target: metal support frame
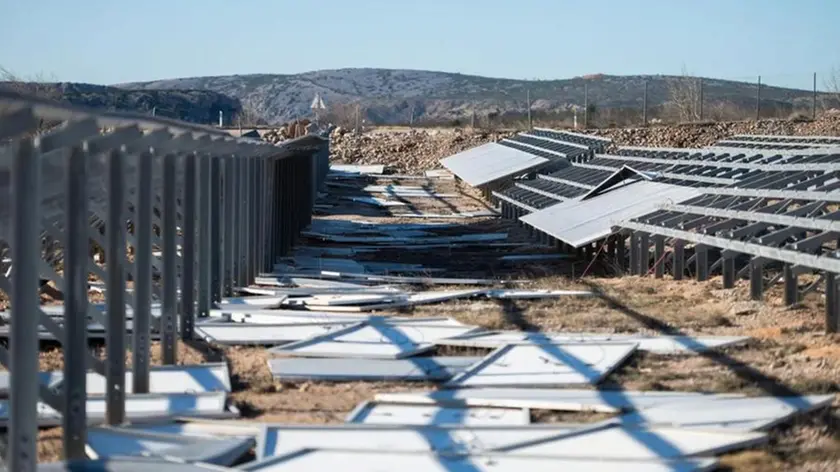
column 115, row 179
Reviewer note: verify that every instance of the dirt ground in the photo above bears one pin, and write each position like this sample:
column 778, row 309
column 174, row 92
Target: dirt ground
column 789, row 352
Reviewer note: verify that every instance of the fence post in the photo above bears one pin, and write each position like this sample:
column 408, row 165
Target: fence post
column 585, row 106
column 528, row 99
column 758, row 100
column 645, row 105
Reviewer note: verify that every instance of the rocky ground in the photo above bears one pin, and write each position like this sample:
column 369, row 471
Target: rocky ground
column 413, row 150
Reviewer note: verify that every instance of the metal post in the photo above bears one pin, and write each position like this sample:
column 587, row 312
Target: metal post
column 23, row 335
column 230, row 225
column 634, row 253
column 241, row 221
column 188, row 249
column 621, row 252
column 76, row 255
column 205, row 252
column 252, row 212
column 528, row 98
column 814, row 103
column 756, row 279
column 216, row 248
column 115, row 292
column 679, row 259
column 729, row 272
column 169, row 240
column 791, row 285
column 659, row 257
column 143, row 273
column 832, row 310
column 645, row 106
column 644, row 254
column 758, row 100
column 701, row 258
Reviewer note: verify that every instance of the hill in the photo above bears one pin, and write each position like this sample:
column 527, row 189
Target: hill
column 388, row 96
column 197, row 106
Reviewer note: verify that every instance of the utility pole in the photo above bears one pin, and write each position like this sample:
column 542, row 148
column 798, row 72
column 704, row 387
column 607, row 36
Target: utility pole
column 528, row 99
column 758, row 100
column 644, row 106
column 585, row 106
column 814, row 104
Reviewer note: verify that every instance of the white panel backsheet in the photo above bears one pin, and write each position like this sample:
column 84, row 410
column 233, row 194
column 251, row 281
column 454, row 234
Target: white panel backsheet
column 579, row 222
column 388, row 413
column 737, row 414
column 338, row 369
column 322, row 459
column 545, row 365
column 375, row 340
column 654, row 344
column 559, row 441
column 139, row 407
column 561, row 399
column 488, row 162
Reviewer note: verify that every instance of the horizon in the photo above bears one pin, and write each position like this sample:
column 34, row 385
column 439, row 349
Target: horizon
column 820, row 89
column 103, row 43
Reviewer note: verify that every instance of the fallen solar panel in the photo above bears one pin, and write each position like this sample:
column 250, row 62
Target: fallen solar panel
column 545, row 364
column 326, row 459
column 543, row 440
column 339, row 370
column 141, row 407
column 664, row 344
column 109, row 442
column 390, row 413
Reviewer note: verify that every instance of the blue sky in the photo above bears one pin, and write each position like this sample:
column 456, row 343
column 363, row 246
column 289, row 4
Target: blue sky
column 116, row 41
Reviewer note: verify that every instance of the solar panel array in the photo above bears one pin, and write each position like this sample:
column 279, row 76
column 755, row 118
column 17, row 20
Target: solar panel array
column 495, row 166
column 762, row 205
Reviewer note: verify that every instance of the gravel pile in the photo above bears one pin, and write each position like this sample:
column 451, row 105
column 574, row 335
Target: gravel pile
column 406, row 151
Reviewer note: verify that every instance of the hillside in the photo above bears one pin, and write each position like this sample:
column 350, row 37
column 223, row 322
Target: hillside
column 198, row 106
column 389, row 96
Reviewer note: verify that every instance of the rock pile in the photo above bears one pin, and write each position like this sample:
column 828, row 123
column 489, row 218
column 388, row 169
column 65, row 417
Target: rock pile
column 706, row 134
column 405, row 151
column 293, row 129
